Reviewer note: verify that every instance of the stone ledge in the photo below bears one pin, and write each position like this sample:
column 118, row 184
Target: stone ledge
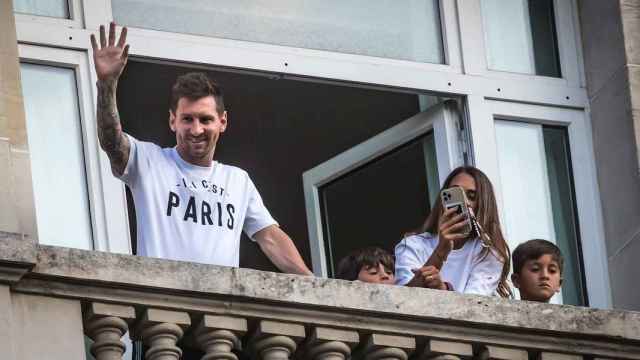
column 18, row 255
column 134, row 272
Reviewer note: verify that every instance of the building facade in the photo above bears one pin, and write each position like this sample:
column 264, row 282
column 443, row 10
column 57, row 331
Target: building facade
column 326, row 98
column 348, row 116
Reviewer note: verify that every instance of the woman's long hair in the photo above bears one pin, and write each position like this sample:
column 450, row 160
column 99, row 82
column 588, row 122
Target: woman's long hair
column 487, row 216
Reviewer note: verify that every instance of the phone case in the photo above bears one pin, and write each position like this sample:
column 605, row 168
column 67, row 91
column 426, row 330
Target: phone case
column 454, row 197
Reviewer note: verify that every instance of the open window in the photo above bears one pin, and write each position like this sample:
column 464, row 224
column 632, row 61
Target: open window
column 380, row 189
column 280, row 127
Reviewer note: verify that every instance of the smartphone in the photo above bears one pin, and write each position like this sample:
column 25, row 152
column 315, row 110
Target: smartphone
column 454, row 197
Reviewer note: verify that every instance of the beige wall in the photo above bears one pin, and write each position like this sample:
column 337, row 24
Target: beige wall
column 7, row 338
column 611, row 43
column 47, row 328
column 17, row 212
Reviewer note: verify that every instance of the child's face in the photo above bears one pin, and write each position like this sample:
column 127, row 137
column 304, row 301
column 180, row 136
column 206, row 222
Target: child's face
column 376, row 274
column 539, row 279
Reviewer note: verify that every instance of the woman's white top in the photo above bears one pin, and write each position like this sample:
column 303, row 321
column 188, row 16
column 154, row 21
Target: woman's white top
column 466, row 269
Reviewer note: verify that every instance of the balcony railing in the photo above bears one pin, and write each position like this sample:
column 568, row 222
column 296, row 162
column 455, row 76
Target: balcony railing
column 275, row 316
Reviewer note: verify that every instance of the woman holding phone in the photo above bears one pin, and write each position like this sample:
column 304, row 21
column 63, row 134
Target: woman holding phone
column 449, row 254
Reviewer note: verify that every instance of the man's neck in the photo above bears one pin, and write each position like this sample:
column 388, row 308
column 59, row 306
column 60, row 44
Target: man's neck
column 205, row 161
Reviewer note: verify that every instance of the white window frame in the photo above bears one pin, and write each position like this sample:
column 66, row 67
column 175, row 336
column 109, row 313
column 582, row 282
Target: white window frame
column 75, row 17
column 589, row 211
column 105, row 210
column 464, row 75
column 450, row 43
column 442, row 119
column 475, row 54
column 454, row 77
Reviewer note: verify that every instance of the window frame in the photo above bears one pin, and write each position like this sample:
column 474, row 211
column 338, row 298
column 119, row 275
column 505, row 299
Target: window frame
column 441, row 118
column 569, row 52
column 456, row 77
column 589, row 210
column 103, row 213
column 448, row 26
column 75, row 16
column 464, row 76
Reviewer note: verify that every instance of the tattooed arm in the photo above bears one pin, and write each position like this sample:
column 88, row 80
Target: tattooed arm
column 112, row 138
column 110, row 59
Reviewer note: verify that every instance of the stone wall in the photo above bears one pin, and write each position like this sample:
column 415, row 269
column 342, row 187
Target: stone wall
column 213, row 308
column 611, row 44
column 17, row 211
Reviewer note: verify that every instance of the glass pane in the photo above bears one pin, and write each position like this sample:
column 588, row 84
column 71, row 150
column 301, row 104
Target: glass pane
column 556, row 142
column 538, row 195
column 377, row 203
column 378, row 28
column 520, row 36
column 57, row 158
column 52, row 8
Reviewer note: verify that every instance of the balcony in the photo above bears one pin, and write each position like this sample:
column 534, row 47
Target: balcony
column 51, row 296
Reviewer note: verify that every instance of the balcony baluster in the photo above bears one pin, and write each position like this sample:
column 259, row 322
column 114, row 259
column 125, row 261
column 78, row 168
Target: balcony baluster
column 330, row 344
column 218, row 335
column 160, row 330
column 388, row 347
column 274, row 340
column 105, row 324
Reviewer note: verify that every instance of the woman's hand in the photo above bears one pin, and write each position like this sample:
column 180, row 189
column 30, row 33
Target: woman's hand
column 427, row 277
column 450, row 232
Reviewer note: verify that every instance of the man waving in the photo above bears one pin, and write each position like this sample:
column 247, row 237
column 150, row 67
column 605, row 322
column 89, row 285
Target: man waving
column 188, row 206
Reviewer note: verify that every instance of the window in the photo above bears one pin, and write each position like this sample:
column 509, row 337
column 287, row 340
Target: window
column 50, row 8
column 379, row 28
column 537, row 188
column 541, row 162
column 520, row 36
column 378, row 190
column 278, row 129
column 375, row 204
column 78, row 202
column 474, row 50
column 57, row 157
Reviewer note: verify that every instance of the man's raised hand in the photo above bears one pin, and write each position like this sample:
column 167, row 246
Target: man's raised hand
column 110, row 58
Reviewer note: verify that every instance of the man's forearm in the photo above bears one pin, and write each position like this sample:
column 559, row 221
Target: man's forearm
column 110, row 135
column 287, row 258
column 279, row 248
column 291, row 262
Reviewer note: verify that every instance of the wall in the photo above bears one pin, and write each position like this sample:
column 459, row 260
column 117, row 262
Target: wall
column 611, row 45
column 17, row 211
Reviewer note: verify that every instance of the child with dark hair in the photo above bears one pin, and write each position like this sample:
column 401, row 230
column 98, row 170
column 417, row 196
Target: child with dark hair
column 371, row 264
column 537, row 270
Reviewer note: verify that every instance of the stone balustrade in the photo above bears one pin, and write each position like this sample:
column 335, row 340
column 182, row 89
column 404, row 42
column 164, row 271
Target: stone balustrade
column 232, row 314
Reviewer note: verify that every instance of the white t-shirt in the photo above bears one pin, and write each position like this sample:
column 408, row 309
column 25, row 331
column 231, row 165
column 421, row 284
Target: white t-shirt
column 465, row 269
column 189, row 212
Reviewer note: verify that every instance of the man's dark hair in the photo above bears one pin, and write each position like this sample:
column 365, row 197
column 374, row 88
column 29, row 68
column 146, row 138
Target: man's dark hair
column 534, row 249
column 350, row 265
column 194, row 86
